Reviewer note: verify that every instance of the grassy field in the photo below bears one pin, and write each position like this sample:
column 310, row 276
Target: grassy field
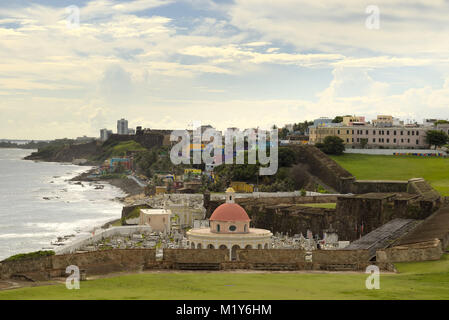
column 366, row 167
column 424, row 280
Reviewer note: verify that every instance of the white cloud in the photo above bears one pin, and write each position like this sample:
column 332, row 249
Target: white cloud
column 153, row 70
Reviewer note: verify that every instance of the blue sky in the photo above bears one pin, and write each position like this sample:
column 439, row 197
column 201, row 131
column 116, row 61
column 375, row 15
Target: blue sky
column 166, row 64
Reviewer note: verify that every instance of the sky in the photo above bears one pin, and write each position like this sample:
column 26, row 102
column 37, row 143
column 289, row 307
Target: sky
column 229, row 63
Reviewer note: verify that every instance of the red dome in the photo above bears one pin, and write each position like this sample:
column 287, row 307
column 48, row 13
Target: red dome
column 229, row 212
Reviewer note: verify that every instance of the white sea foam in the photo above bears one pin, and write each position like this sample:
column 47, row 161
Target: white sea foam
column 29, row 222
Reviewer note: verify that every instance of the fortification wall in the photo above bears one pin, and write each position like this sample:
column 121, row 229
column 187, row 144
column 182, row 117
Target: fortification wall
column 100, row 235
column 9, row 268
column 96, row 262
column 148, row 140
column 195, row 255
column 340, row 256
column 367, row 186
column 270, row 256
column 323, row 167
column 424, row 251
column 107, row 261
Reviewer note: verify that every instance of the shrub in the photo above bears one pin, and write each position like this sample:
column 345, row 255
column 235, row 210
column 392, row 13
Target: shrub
column 31, row 255
column 332, row 145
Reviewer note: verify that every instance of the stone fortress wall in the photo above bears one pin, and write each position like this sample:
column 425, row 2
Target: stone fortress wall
column 100, row 235
column 117, row 260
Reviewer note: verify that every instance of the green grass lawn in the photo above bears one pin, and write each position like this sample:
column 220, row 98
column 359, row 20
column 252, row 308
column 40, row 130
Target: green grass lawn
column 320, row 205
column 423, row 280
column 374, row 167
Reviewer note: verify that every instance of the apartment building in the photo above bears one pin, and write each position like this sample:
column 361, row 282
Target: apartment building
column 122, row 126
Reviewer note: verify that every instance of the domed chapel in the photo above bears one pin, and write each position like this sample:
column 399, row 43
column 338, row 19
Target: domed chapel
column 229, row 229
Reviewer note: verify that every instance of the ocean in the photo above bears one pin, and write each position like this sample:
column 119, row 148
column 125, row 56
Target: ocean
column 38, row 203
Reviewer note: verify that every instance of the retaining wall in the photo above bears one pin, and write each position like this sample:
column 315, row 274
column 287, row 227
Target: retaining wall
column 424, row 251
column 367, row 186
column 95, row 262
column 195, row 255
column 100, row 235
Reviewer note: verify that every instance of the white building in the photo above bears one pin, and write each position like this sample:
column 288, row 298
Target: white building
column 157, row 219
column 122, row 126
column 105, row 134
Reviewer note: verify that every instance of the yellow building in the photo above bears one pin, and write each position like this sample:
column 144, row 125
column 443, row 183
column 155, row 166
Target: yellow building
column 161, row 189
column 317, row 135
column 349, row 120
column 240, row 186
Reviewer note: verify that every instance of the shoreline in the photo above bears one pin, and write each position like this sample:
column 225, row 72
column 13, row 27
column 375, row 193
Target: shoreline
column 128, row 186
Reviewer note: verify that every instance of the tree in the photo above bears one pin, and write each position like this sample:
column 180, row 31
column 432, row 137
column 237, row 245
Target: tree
column 302, row 126
column 283, row 133
column 337, row 119
column 286, row 157
column 436, row 138
column 332, row 145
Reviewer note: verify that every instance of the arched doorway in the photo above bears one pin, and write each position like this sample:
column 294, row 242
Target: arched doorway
column 210, row 246
column 259, row 246
column 192, row 245
column 198, row 246
column 222, row 247
column 234, row 252
column 248, row 247
column 266, row 246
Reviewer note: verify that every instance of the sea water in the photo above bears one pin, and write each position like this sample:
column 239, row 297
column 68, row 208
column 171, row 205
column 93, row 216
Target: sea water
column 38, row 203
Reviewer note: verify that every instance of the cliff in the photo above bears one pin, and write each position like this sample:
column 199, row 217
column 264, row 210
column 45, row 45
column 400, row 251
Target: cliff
column 68, row 152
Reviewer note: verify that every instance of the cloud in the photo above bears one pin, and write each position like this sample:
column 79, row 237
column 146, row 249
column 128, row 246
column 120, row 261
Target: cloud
column 139, row 59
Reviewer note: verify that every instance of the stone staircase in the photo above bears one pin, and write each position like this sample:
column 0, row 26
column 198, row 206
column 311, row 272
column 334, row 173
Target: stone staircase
column 423, row 188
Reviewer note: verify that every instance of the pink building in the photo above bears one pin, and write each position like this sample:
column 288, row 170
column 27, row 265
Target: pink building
column 391, row 137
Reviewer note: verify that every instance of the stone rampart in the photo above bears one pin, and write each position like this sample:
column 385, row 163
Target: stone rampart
column 270, row 256
column 100, row 235
column 367, row 186
column 195, row 255
column 95, row 262
column 424, row 251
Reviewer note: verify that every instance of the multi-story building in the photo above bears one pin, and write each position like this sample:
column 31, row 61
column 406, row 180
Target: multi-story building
column 391, row 137
column 387, row 121
column 122, row 126
column 383, row 135
column 318, row 133
column 443, row 127
column 353, row 120
column 322, row 122
column 105, row 134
